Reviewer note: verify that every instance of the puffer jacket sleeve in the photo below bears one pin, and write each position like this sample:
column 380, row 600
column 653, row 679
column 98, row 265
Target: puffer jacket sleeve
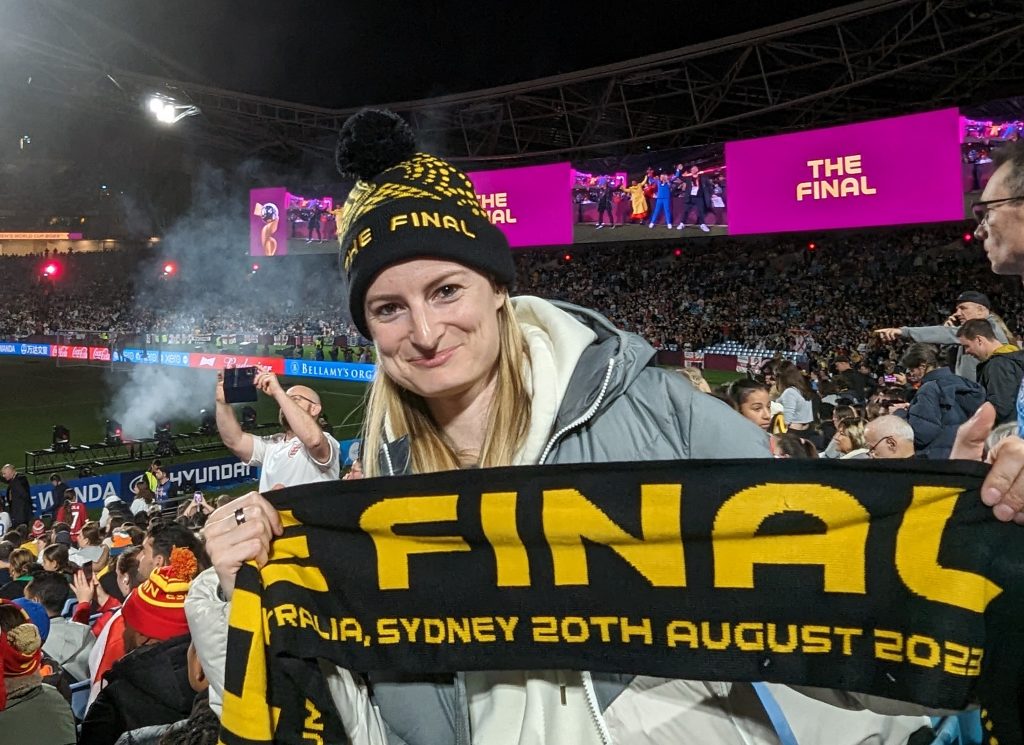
column 925, row 415
column 709, row 428
column 208, row 621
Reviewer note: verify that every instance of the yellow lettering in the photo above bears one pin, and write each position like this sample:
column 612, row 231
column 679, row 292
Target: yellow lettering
column 716, row 644
column 285, row 614
column 312, row 724
column 791, row 635
column 569, row 518
column 915, row 642
column 956, row 657
column 458, row 627
column 829, row 188
column 604, row 623
column 545, row 629
column 847, row 637
column 849, row 188
column 578, row 635
column 753, row 643
column 840, row 550
column 350, row 629
column 803, row 189
column 430, row 219
column 364, row 238
column 498, row 518
column 501, row 199
column 466, row 231
column 483, row 628
column 387, row 631
column 508, row 626
column 643, row 630
column 305, row 618
column 398, row 221
column 393, row 550
column 889, row 645
column 682, row 632
column 816, row 639
column 864, row 188
column 433, row 631
column 852, row 164
column 917, row 554
column 833, row 167
column 449, row 222
column 974, row 663
column 814, row 165
column 411, row 626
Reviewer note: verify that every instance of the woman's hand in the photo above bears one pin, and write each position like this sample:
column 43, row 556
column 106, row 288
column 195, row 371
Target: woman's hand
column 238, row 532
column 85, row 591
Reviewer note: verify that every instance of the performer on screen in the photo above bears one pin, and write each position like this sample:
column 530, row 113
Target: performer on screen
column 271, row 216
column 315, row 213
column 638, row 201
column 697, row 193
column 662, row 202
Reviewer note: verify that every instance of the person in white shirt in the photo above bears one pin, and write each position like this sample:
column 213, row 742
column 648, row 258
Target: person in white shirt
column 303, row 453
column 794, row 394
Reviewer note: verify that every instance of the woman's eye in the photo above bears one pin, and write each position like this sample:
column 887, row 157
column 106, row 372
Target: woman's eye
column 447, row 291
column 383, row 311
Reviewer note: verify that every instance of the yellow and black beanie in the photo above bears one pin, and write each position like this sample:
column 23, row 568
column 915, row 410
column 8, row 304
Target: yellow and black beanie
column 407, row 205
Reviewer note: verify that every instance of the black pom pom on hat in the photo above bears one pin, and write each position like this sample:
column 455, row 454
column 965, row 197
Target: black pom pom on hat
column 371, row 141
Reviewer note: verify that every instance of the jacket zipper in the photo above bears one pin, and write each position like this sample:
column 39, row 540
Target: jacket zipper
column 586, row 415
column 591, row 695
column 387, row 456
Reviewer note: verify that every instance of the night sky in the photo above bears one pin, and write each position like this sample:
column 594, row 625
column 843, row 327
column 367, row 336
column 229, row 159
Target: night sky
column 348, row 54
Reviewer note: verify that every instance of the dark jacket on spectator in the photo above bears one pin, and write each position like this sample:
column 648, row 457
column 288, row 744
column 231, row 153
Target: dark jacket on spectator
column 943, row 402
column 148, row 686
column 1000, row 376
column 19, row 500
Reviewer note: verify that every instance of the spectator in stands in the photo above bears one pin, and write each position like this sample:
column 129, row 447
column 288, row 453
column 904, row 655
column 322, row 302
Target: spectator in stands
column 794, row 394
column 5, row 519
column 55, row 558
column 133, row 569
column 114, row 512
column 695, row 377
column 751, row 399
column 144, row 498
column 849, row 380
column 50, row 670
column 792, row 445
column 18, row 500
column 850, row 439
column 31, row 711
column 96, row 593
column 302, row 454
column 72, row 512
column 969, row 305
column 68, row 642
column 942, row 403
column 150, row 474
column 890, row 436
column 166, row 490
column 150, row 684
column 1000, row 368
column 6, row 547
column 20, row 565
column 57, row 486
column 1000, row 212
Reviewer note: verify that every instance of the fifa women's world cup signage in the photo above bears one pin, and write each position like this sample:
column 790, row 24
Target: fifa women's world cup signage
column 886, row 172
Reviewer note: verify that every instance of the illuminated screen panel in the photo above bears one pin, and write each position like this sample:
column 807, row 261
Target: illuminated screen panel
column 886, row 172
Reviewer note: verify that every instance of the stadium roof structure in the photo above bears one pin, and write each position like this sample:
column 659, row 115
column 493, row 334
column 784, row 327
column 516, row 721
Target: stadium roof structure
column 861, row 61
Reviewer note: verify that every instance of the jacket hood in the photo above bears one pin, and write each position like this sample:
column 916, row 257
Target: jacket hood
column 605, row 369
column 157, row 670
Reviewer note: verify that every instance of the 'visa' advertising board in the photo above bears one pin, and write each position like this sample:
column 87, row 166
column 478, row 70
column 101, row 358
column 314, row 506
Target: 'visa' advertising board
column 886, row 172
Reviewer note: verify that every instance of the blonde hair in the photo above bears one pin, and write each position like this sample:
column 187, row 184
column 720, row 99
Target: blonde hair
column 508, row 418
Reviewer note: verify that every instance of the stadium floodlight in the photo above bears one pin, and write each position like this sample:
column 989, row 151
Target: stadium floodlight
column 169, row 111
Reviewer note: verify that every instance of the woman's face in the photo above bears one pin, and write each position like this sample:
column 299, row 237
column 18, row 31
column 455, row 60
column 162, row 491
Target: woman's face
column 435, row 324
column 914, row 374
column 50, row 566
column 843, row 441
column 758, row 408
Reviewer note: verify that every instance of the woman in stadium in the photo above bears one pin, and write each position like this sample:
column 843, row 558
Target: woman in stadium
column 752, row 400
column 794, row 393
column 471, row 378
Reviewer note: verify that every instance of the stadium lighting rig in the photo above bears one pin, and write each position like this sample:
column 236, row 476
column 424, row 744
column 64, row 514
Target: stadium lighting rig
column 169, row 111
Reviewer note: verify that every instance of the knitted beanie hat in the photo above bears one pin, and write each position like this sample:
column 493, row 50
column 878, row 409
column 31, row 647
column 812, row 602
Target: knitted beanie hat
column 156, row 608
column 407, row 205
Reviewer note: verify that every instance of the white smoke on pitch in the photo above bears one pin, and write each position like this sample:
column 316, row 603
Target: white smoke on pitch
column 154, row 393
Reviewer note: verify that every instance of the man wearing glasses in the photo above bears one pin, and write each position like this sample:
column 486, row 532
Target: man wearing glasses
column 302, row 454
column 1000, row 213
column 889, row 436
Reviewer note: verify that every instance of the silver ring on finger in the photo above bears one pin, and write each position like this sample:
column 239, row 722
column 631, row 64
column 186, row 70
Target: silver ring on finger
column 239, row 516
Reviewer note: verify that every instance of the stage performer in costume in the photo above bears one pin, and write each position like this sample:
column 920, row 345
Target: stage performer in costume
column 638, row 200
column 662, row 201
column 469, row 377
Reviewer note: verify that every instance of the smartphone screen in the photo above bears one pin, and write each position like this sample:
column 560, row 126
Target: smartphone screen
column 239, row 384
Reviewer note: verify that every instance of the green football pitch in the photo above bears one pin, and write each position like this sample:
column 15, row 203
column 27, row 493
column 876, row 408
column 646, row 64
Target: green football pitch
column 35, row 395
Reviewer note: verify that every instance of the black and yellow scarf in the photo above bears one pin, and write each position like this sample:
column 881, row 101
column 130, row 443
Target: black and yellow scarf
column 884, row 578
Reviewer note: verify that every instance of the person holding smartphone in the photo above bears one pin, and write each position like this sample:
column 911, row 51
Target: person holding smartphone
column 301, row 454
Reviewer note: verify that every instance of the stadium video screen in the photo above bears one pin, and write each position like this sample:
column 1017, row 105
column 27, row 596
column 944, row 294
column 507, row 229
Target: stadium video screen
column 895, row 171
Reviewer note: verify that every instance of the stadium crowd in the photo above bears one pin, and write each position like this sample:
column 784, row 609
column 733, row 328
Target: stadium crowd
column 766, row 293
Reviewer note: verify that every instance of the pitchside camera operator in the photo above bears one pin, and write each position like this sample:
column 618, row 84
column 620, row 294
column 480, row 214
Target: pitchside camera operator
column 302, row 454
